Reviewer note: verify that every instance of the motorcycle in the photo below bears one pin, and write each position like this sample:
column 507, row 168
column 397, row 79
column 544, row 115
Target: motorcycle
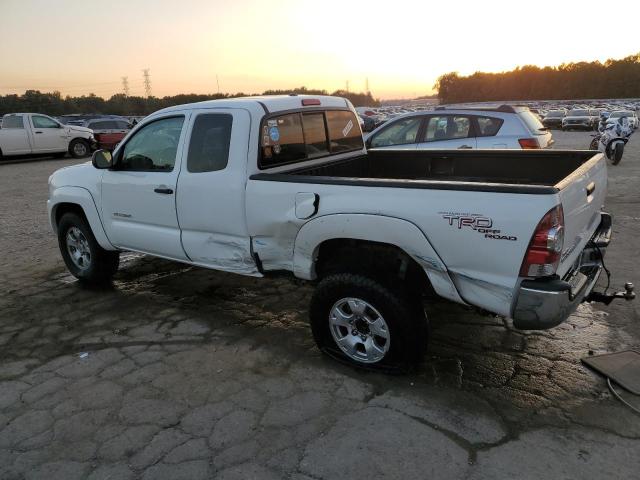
column 611, row 138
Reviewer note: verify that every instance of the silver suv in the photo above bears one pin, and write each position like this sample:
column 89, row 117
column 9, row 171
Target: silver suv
column 452, row 128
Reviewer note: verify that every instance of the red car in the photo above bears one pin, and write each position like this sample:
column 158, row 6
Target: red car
column 108, row 131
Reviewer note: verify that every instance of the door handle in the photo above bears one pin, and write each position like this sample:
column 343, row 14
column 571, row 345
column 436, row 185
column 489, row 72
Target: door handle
column 591, row 188
column 464, row 146
column 37, row 132
column 164, row 190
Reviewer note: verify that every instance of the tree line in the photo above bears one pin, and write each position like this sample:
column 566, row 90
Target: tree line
column 611, row 79
column 53, row 103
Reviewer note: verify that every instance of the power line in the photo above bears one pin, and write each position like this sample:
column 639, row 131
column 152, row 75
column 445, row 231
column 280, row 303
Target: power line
column 147, row 82
column 125, row 86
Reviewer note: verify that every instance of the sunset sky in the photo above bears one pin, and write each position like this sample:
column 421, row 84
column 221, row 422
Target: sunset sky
column 401, row 46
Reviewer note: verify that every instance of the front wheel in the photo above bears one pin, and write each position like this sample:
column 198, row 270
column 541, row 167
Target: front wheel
column 594, row 144
column 362, row 321
column 83, row 256
column 617, row 153
column 79, row 148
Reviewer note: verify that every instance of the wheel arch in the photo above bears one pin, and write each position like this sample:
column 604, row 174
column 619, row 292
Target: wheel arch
column 326, row 233
column 80, row 201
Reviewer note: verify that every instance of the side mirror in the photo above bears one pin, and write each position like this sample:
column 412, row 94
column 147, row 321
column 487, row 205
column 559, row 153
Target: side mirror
column 102, row 159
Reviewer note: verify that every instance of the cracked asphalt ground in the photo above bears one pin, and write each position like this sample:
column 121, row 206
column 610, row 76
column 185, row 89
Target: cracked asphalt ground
column 183, row 373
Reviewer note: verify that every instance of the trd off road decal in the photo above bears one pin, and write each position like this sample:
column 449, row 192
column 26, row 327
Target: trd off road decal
column 477, row 222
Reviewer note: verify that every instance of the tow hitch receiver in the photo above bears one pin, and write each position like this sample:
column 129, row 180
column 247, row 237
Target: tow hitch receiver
column 605, row 298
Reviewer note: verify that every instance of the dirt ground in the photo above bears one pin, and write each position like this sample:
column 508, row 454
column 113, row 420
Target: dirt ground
column 178, row 372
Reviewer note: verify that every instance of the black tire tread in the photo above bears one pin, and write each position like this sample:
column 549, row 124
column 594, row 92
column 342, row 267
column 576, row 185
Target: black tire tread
column 104, row 262
column 77, row 140
column 409, row 335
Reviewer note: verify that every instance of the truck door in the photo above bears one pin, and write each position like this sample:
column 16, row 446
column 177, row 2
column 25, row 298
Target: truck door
column 48, row 135
column 211, row 191
column 138, row 194
column 14, row 136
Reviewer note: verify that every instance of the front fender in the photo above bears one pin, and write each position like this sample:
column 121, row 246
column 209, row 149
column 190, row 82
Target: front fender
column 81, row 197
column 376, row 228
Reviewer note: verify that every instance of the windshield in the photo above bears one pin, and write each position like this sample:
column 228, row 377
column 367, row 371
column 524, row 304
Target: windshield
column 578, row 113
column 555, row 113
column 621, row 114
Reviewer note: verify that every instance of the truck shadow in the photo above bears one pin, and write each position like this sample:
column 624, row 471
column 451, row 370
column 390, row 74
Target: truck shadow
column 156, row 302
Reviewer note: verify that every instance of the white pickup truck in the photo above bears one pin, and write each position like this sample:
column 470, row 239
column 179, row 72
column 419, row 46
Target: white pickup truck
column 265, row 184
column 37, row 134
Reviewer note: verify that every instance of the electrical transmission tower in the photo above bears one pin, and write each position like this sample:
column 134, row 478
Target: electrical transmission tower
column 125, row 86
column 147, row 82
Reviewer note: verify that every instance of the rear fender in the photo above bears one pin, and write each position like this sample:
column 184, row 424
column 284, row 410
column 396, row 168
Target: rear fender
column 376, row 228
column 81, row 197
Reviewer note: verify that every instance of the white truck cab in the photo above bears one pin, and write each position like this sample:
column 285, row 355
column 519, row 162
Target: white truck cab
column 36, row 134
column 264, row 184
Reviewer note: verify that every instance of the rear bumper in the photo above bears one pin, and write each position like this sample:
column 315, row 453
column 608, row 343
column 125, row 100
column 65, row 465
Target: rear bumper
column 542, row 304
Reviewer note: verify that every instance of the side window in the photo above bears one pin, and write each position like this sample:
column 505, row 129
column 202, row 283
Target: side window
column 447, row 127
column 100, row 126
column 344, row 131
column 43, row 122
column 400, row 132
column 153, row 147
column 315, row 134
column 488, row 126
column 282, row 140
column 122, row 125
column 209, row 145
column 13, row 121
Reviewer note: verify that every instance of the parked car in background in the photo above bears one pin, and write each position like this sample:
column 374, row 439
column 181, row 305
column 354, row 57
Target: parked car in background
column 108, row 132
column 34, row 133
column 443, row 128
column 632, row 117
column 81, row 118
column 582, row 119
column 553, row 118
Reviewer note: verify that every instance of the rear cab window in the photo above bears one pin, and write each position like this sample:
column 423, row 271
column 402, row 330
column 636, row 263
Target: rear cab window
column 296, row 137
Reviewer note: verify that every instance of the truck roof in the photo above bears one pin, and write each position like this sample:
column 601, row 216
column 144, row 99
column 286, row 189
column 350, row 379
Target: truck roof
column 266, row 103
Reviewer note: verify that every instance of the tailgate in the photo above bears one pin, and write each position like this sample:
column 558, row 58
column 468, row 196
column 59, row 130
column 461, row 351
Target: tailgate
column 582, row 194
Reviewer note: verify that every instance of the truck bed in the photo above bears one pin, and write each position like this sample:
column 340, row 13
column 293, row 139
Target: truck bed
column 523, row 171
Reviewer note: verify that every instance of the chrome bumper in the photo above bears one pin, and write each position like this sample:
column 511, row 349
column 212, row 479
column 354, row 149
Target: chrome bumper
column 542, row 304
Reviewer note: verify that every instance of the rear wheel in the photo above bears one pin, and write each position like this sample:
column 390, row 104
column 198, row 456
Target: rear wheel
column 83, row 256
column 594, row 144
column 360, row 320
column 79, row 148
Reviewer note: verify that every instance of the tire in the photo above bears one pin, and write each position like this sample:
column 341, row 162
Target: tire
column 403, row 331
column 79, row 148
column 593, row 145
column 96, row 265
column 617, row 154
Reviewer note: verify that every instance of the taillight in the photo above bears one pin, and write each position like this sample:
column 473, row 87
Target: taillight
column 528, row 143
column 543, row 255
column 310, row 101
